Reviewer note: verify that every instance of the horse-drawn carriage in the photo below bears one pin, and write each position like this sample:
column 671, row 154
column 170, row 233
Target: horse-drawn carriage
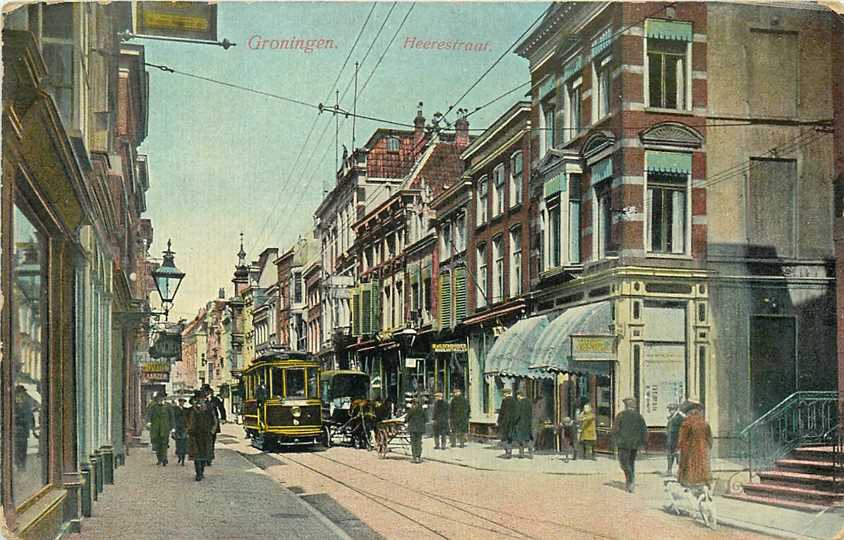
column 348, row 414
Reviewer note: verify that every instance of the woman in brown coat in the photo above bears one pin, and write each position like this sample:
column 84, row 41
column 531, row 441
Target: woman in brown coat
column 694, row 443
column 202, row 426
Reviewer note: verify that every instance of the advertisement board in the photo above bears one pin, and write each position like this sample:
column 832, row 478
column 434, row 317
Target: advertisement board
column 185, row 20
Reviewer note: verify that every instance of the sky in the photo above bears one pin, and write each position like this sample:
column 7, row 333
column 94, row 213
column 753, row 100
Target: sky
column 224, row 160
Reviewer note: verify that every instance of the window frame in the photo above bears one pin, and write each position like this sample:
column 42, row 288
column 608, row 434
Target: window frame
column 603, row 219
column 498, row 257
column 673, row 185
column 498, row 189
column 573, row 109
column 687, row 75
column 515, row 261
column 482, row 213
column 482, row 285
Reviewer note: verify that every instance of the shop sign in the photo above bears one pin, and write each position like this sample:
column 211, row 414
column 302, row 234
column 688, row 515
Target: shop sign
column 498, row 331
column 155, row 376
column 155, row 371
column 168, row 345
column 182, row 20
column 449, row 347
column 412, row 362
column 593, row 348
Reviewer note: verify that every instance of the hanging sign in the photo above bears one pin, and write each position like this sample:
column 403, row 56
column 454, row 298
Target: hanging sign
column 167, row 345
column 183, row 20
column 155, row 372
column 449, row 347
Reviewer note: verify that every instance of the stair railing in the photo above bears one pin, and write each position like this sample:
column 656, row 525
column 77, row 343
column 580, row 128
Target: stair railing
column 803, row 418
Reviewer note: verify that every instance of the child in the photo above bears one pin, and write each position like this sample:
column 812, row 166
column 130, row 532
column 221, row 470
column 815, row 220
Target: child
column 569, row 431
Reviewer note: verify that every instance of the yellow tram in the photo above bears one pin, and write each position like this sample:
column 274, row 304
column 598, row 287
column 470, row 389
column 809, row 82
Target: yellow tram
column 282, row 403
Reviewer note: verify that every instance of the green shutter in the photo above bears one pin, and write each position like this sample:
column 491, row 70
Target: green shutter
column 375, row 306
column 366, row 309
column 445, row 300
column 356, row 312
column 460, row 291
column 601, row 170
column 602, row 42
column 673, row 30
column 668, row 162
column 573, row 67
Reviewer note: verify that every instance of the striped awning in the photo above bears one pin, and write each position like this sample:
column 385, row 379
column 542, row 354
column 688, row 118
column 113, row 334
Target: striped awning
column 672, row 30
column 601, row 170
column 668, row 162
column 512, row 353
column 552, row 352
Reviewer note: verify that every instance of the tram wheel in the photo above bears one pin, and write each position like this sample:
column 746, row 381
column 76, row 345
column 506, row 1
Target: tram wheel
column 326, row 436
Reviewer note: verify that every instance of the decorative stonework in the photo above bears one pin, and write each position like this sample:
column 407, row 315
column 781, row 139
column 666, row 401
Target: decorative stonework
column 673, row 134
column 596, row 142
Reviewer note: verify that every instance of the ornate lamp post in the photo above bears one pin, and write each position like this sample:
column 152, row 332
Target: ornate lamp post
column 167, row 280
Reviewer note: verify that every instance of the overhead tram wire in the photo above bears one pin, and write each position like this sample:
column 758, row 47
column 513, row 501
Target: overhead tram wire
column 387, row 48
column 316, row 118
column 346, row 114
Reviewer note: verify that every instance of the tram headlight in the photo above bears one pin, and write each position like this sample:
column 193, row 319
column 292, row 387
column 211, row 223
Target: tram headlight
column 297, row 412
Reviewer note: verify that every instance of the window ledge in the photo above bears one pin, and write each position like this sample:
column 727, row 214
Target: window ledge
column 515, row 208
column 679, row 256
column 497, row 218
column 660, row 110
column 481, row 226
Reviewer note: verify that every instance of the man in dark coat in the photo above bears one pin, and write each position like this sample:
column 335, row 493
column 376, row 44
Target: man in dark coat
column 24, row 424
column 202, row 425
column 523, row 432
column 180, row 427
column 629, row 433
column 416, row 420
column 672, row 430
column 507, row 418
column 458, row 411
column 160, row 421
column 440, row 418
column 219, row 413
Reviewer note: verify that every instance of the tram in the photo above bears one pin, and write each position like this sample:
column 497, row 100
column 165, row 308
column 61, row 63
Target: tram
column 282, row 405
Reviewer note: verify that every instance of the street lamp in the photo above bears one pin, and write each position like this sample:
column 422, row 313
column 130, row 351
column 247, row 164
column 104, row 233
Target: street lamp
column 167, row 280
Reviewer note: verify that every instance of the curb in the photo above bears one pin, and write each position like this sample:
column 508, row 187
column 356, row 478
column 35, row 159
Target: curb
column 761, row 529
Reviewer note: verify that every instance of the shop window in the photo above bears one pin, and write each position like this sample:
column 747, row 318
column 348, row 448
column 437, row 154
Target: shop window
column 516, row 261
column 516, row 176
column 667, row 208
column 637, row 372
column 30, row 452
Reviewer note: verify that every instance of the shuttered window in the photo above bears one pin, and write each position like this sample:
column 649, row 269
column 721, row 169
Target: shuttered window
column 356, row 319
column 445, row 300
column 460, row 290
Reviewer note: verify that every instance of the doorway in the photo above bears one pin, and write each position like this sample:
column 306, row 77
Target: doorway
column 773, row 361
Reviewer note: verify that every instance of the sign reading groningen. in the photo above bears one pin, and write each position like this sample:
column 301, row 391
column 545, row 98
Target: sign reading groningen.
column 593, row 348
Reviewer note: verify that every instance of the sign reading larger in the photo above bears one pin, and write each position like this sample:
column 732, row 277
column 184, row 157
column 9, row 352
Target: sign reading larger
column 185, row 20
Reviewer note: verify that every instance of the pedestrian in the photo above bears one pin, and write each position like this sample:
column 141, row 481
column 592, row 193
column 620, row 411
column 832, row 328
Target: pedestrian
column 202, row 424
column 219, row 413
column 160, row 422
column 440, row 418
column 588, row 434
column 694, row 442
column 180, row 430
column 507, row 418
column 458, row 411
column 24, row 424
column 261, row 396
column 524, row 425
column 538, row 419
column 416, row 420
column 629, row 433
column 672, row 429
column 569, row 443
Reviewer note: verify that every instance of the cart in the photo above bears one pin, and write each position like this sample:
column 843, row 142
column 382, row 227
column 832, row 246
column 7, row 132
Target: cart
column 391, row 434
column 352, row 427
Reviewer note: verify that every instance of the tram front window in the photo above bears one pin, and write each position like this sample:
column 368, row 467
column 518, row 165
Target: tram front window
column 278, row 383
column 295, row 383
column 312, row 383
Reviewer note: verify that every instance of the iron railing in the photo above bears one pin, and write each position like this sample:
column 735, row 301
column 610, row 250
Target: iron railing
column 803, row 418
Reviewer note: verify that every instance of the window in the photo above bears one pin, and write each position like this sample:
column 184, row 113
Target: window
column 548, row 110
column 516, row 261
column 553, row 234
column 498, row 269
column 604, row 229
column 294, row 381
column 516, row 174
column 667, row 73
column 398, row 305
column 297, row 288
column 368, row 259
column 426, row 296
column 391, row 245
column 393, row 144
column 58, row 50
column 572, row 116
column 603, row 76
column 482, row 276
column 498, row 190
column 28, row 303
column 667, row 213
column 482, row 201
column 460, row 233
column 574, row 219
column 445, row 242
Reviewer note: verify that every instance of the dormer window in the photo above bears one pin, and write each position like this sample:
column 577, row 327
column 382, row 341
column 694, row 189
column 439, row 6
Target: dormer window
column 393, row 144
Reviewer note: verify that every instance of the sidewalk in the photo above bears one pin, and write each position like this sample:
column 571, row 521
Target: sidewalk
column 236, row 500
column 764, row 519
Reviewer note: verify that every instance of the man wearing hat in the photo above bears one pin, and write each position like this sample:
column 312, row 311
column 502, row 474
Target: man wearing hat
column 440, row 418
column 458, row 411
column 523, row 430
column 629, row 433
column 219, row 414
column 507, row 417
column 160, row 421
column 672, row 429
column 180, row 429
column 416, row 420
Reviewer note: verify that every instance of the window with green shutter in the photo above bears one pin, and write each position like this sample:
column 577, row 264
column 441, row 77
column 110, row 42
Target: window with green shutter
column 445, row 300
column 356, row 321
column 460, row 290
column 366, row 309
column 375, row 307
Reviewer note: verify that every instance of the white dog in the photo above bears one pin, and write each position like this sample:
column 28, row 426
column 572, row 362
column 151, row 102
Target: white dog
column 690, row 501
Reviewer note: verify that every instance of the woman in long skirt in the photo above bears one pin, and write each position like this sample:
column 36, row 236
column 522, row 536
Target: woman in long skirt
column 180, row 433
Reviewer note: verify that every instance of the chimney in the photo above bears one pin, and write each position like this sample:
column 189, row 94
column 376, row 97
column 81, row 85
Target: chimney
column 419, row 127
column 461, row 127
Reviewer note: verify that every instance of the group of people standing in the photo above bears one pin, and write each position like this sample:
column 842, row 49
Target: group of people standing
column 515, row 424
column 450, row 420
column 193, row 425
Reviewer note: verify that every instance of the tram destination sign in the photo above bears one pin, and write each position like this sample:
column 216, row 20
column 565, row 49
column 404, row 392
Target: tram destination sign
column 593, row 348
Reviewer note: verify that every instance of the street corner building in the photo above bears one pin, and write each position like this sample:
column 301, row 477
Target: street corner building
column 75, row 276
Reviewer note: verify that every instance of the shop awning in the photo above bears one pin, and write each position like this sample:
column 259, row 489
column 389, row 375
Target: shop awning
column 511, row 354
column 552, row 352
